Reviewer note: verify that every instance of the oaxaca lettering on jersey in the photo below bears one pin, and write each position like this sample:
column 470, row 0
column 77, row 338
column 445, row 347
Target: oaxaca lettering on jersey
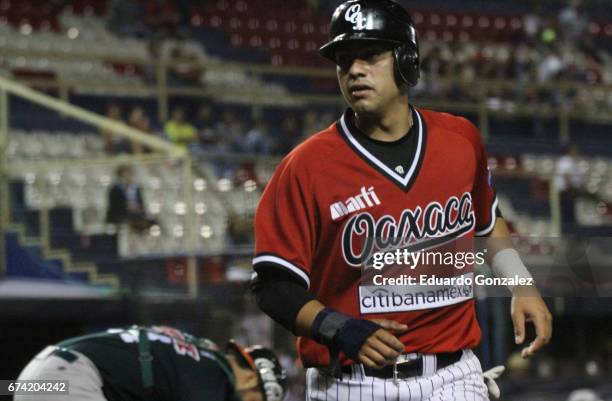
column 384, row 299
column 421, row 228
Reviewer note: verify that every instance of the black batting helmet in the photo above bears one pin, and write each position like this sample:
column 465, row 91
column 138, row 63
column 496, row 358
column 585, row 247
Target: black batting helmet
column 381, row 21
column 272, row 376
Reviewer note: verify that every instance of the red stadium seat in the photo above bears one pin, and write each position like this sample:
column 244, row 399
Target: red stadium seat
column 292, row 44
column 594, row 28
column 435, row 19
column 324, row 28
column 277, row 59
column 451, row 20
column 236, row 39
column 417, row 18
column 290, row 26
column 271, row 24
column 311, row 46
column 241, row 6
column 516, row 23
column 464, row 36
column 196, row 20
column 467, row 21
column 308, row 28
column 274, row 42
column 448, row 36
column 215, row 21
column 256, row 41
column 254, row 24
column 431, row 35
column 500, row 23
column 235, row 24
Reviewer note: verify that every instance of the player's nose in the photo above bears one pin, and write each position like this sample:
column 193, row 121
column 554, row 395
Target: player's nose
column 358, row 67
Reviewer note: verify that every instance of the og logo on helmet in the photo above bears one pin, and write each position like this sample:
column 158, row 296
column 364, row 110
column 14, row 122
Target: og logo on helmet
column 355, row 17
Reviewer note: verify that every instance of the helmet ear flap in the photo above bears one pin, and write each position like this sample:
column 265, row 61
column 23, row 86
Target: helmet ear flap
column 406, row 64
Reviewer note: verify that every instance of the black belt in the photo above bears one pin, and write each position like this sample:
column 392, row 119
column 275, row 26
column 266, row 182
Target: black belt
column 412, row 368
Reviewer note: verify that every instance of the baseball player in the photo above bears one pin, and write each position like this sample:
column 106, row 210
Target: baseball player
column 385, row 173
column 156, row 363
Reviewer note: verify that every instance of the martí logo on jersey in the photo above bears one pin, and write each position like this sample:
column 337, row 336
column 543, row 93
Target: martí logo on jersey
column 418, row 229
column 365, row 199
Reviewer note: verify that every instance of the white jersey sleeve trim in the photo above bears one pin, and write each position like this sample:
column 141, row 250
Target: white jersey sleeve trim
column 489, row 228
column 282, row 262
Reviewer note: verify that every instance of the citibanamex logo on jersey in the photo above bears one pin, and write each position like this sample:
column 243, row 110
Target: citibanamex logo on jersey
column 356, row 17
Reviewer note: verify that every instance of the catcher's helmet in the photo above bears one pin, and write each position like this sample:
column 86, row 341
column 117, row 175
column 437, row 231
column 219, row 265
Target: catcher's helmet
column 272, row 376
column 380, row 21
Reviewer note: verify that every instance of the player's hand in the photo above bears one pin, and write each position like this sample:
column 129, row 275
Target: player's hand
column 380, row 349
column 391, row 325
column 528, row 306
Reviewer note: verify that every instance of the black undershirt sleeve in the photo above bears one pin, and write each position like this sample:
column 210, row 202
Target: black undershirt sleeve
column 280, row 295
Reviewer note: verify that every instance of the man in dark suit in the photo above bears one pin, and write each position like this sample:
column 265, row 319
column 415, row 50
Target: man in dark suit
column 125, row 202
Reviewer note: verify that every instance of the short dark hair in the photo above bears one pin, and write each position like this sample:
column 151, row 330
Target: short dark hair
column 122, row 169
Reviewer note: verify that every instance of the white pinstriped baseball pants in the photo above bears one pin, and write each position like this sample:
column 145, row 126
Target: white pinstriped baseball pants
column 461, row 381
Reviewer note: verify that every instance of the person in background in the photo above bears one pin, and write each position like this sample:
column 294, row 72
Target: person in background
column 532, row 23
column 289, row 133
column 125, row 202
column 180, row 132
column 569, row 180
column 162, row 17
column 114, row 144
column 257, row 139
column 227, row 118
column 574, row 21
column 186, row 70
column 237, row 137
column 311, row 124
column 124, row 18
column 205, row 124
column 139, row 120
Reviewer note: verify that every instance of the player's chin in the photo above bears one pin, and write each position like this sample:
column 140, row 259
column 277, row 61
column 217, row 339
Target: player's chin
column 362, row 105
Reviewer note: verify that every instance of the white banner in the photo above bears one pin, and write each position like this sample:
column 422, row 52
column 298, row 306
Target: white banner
column 426, row 293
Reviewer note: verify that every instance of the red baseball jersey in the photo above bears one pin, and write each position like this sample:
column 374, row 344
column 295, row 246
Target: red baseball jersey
column 329, row 194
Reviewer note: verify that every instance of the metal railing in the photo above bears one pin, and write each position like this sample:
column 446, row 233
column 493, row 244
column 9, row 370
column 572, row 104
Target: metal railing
column 162, row 150
column 162, row 90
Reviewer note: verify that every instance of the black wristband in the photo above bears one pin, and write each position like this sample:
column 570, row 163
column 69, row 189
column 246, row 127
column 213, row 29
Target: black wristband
column 326, row 325
column 341, row 332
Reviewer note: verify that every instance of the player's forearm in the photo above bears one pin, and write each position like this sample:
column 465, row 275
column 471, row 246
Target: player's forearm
column 503, row 258
column 498, row 240
column 306, row 316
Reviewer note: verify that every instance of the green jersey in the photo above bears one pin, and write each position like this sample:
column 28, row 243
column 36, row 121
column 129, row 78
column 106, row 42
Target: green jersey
column 184, row 367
